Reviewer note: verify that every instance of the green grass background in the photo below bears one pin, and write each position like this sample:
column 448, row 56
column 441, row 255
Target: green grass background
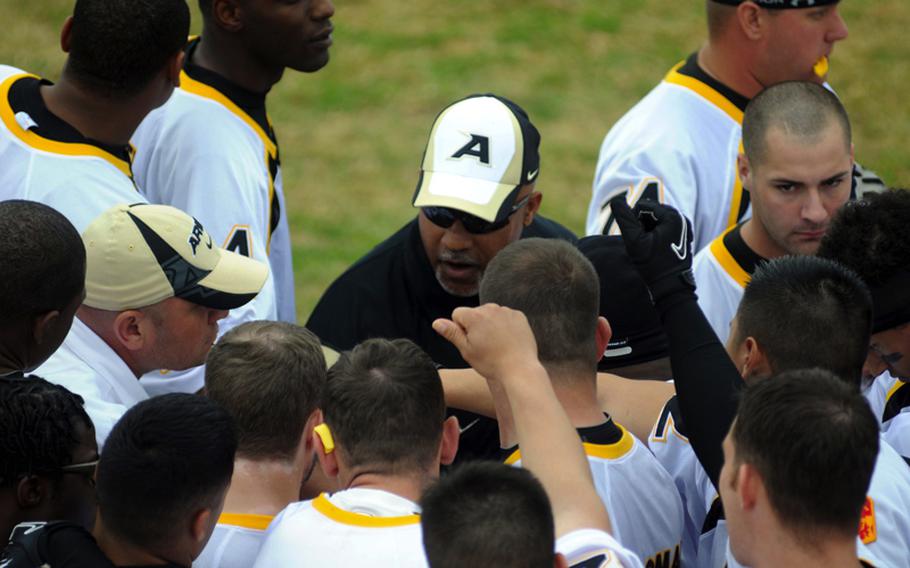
column 352, row 135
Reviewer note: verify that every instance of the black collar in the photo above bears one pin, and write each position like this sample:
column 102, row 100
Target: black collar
column 25, row 97
column 745, row 257
column 691, row 68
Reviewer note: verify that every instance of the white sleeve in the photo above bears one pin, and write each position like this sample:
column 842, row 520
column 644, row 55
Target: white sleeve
column 593, row 548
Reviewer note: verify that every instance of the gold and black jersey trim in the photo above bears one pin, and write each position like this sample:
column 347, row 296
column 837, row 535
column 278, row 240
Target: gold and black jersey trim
column 898, row 399
column 690, row 75
column 734, row 255
column 247, row 105
column 714, row 516
column 246, row 520
column 47, row 132
column 337, row 514
column 607, row 441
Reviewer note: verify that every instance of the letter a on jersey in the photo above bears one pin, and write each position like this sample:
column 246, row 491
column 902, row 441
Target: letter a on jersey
column 478, row 146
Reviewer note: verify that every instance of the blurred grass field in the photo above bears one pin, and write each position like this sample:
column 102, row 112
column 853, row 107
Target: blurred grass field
column 352, row 135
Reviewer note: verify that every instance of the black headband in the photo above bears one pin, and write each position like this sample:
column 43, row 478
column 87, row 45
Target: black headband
column 891, row 302
column 781, row 4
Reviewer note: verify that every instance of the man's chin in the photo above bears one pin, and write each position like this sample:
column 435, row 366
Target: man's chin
column 459, row 289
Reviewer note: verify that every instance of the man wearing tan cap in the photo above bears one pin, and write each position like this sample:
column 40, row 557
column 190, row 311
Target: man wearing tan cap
column 476, row 194
column 156, row 287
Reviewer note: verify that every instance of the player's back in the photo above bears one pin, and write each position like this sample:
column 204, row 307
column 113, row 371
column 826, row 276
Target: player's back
column 355, row 527
column 644, row 507
column 47, row 160
column 677, row 145
column 235, row 542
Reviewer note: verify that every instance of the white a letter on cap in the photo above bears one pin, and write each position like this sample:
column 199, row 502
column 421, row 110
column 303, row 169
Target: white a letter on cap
column 478, row 146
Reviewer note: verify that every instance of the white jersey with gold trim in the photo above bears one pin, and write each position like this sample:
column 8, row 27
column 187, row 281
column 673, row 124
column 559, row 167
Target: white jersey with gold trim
column 235, row 543
column 719, row 284
column 46, row 160
column 678, row 145
column 645, row 510
column 355, row 527
column 591, row 548
column 205, row 153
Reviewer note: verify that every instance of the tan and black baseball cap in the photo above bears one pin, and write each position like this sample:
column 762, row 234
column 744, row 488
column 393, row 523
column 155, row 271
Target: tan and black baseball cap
column 481, row 150
column 138, row 255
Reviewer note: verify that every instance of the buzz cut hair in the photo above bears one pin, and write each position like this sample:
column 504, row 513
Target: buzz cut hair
column 557, row 289
column 269, row 375
column 385, row 406
column 814, row 441
column 798, row 108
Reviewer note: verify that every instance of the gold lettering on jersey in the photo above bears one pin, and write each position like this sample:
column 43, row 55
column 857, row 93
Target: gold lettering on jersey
column 664, row 559
column 868, row 533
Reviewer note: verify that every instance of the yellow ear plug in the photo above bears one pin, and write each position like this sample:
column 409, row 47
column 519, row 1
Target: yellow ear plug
column 325, row 435
column 821, row 67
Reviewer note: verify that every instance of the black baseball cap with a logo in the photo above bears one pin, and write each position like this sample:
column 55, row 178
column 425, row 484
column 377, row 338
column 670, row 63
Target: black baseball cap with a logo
column 481, row 150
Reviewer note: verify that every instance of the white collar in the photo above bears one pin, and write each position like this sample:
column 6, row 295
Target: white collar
column 87, row 346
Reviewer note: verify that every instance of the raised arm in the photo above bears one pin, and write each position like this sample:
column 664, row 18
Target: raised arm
column 499, row 344
column 659, row 242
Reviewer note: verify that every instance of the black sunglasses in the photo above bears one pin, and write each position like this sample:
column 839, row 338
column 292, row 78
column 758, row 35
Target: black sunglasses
column 444, row 217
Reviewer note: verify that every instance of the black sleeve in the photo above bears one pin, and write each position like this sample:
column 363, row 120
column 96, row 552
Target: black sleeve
column 707, row 382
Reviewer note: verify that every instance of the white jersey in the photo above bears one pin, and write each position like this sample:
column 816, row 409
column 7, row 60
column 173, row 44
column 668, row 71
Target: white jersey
column 47, row 160
column 235, row 543
column 87, row 366
column 591, row 548
column 211, row 151
column 644, row 508
column 895, row 415
column 678, row 145
column 721, row 271
column 355, row 527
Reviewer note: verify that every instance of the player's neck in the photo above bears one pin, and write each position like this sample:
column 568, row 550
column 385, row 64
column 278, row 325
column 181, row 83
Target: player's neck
column 410, row 487
column 726, row 66
column 788, row 550
column 578, row 396
column 11, row 351
column 121, row 552
column 757, row 238
column 106, row 120
column 263, row 487
column 224, row 55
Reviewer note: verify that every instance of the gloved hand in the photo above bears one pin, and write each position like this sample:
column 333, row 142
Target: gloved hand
column 658, row 239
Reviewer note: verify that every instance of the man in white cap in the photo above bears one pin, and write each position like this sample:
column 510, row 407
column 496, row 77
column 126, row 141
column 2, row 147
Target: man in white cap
column 156, row 287
column 476, row 194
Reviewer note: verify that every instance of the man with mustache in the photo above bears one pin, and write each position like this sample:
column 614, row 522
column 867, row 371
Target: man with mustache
column 476, row 194
column 796, row 166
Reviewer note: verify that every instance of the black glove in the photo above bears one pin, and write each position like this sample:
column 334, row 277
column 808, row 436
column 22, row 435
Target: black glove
column 658, row 239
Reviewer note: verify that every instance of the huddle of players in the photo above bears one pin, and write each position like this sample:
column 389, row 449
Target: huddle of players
column 382, row 453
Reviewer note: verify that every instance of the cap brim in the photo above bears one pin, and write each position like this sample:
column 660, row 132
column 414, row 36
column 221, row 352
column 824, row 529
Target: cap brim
column 481, row 198
column 233, row 282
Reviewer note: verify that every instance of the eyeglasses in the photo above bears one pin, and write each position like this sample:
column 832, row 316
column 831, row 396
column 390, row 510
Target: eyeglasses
column 445, row 216
column 85, row 469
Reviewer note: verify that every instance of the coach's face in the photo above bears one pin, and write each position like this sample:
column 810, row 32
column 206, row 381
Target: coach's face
column 797, row 187
column 796, row 40
column 292, row 34
column 458, row 257
column 183, row 333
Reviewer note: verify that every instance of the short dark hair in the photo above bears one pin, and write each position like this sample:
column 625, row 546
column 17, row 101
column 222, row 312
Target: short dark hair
column 487, row 514
column 814, row 441
column 166, row 458
column 269, row 375
column 38, row 420
column 871, row 236
column 806, row 311
column 385, row 406
column 42, row 258
column 556, row 288
column 117, row 46
column 800, row 108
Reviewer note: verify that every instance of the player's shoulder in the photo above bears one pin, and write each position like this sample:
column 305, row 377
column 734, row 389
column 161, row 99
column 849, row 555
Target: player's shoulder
column 7, row 71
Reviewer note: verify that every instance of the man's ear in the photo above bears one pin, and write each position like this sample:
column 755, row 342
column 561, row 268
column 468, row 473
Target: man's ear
column 744, row 169
column 448, row 447
column 751, row 20
column 43, row 323
column 756, row 361
column 66, row 34
column 199, row 528
column 328, row 461
column 602, row 336
column 31, row 492
column 131, row 328
column 174, row 66
column 748, row 487
column 311, row 422
column 227, row 15
column 533, row 206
